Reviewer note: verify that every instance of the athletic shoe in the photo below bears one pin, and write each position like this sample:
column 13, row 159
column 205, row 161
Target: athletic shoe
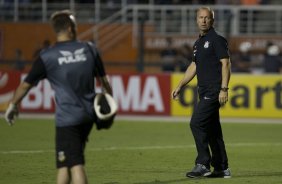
column 221, row 174
column 198, row 171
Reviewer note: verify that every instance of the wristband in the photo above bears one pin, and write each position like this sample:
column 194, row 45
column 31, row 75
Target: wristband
column 225, row 89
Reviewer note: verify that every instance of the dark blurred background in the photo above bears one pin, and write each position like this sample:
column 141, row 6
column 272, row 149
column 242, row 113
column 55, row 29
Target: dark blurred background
column 146, row 35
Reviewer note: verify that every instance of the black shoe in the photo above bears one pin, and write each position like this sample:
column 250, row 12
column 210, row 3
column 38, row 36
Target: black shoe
column 221, row 174
column 198, row 171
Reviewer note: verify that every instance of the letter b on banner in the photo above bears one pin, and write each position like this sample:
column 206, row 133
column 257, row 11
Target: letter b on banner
column 39, row 98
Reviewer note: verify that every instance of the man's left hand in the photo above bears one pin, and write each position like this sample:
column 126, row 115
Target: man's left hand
column 223, row 97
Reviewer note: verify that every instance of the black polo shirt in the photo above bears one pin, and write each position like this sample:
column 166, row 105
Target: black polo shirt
column 207, row 52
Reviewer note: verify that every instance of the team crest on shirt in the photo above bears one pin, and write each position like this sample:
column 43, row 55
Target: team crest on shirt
column 207, row 44
column 61, row 156
column 69, row 57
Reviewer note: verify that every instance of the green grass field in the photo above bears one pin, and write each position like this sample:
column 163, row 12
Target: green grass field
column 140, row 153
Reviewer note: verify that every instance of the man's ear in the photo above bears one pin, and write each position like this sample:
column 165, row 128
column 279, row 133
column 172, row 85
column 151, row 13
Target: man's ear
column 72, row 31
column 69, row 29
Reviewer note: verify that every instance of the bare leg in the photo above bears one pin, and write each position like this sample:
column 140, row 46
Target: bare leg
column 78, row 175
column 63, row 176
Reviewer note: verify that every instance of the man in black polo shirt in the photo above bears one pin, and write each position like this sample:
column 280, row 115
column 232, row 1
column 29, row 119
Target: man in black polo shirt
column 211, row 64
column 70, row 66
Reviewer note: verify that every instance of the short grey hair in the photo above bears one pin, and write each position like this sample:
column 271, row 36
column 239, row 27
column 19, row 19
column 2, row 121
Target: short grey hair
column 208, row 9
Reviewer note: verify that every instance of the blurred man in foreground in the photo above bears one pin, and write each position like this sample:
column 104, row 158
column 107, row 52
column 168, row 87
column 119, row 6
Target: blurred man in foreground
column 70, row 66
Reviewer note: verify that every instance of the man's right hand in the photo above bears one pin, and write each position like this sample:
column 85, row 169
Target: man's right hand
column 175, row 94
column 11, row 113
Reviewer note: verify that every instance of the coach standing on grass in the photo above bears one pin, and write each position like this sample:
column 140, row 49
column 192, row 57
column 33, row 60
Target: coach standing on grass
column 69, row 66
column 211, row 63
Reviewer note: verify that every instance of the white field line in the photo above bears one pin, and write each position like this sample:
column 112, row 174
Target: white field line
column 186, row 119
column 163, row 119
column 143, row 148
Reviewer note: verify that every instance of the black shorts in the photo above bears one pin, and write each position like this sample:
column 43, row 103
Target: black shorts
column 70, row 144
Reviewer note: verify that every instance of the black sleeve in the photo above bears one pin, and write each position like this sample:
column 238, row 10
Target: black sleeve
column 193, row 52
column 100, row 72
column 221, row 48
column 36, row 73
column 99, row 69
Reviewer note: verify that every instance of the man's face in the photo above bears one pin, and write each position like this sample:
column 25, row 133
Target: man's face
column 204, row 20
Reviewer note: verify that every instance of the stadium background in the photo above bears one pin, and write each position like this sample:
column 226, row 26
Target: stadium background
column 130, row 37
column 150, row 141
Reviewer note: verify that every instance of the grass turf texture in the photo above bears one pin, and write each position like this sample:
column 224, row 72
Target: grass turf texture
column 140, row 153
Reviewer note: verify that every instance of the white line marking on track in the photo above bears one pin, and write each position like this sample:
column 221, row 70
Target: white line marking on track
column 142, row 148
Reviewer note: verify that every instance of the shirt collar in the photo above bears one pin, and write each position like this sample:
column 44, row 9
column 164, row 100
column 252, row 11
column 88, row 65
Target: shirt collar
column 209, row 31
